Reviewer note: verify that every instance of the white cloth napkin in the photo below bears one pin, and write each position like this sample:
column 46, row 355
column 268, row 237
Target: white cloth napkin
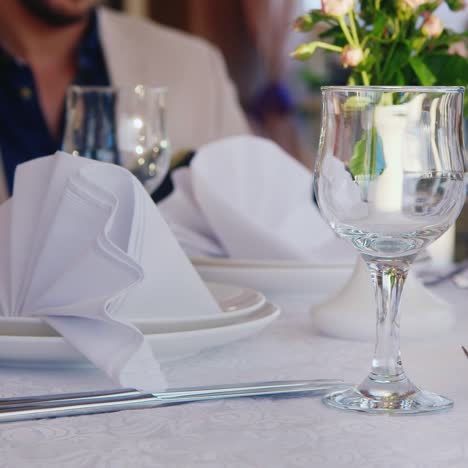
column 244, row 197
column 85, row 248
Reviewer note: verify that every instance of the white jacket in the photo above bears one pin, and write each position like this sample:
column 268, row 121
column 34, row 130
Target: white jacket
column 202, row 103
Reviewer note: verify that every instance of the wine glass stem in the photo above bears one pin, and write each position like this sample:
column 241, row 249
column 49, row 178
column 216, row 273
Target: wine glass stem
column 388, row 279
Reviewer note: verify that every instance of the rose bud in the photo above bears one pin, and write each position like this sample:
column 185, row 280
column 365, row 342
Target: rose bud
column 303, row 23
column 458, row 48
column 351, row 56
column 414, row 4
column 432, row 27
column 336, row 7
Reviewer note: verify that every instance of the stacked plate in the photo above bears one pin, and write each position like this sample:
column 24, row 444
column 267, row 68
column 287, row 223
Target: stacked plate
column 318, row 280
column 30, row 341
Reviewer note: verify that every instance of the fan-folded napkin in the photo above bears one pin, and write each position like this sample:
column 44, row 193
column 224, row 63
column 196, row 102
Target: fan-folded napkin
column 85, row 248
column 244, row 197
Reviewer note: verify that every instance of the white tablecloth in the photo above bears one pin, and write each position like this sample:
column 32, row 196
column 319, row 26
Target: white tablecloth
column 264, row 432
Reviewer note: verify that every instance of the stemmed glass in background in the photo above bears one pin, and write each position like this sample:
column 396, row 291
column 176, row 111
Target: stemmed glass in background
column 389, row 179
column 124, row 126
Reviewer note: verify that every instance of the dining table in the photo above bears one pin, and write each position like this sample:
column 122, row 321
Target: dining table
column 277, row 431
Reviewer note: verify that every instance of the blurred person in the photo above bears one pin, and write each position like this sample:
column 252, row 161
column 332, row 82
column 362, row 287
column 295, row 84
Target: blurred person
column 47, row 45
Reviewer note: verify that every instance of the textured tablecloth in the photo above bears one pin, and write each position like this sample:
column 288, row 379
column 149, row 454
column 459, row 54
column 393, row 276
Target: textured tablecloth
column 263, row 432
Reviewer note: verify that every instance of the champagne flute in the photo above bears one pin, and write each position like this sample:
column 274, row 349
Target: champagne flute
column 389, row 179
column 124, row 125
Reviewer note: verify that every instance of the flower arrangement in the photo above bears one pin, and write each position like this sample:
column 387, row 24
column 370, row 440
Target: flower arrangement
column 389, row 42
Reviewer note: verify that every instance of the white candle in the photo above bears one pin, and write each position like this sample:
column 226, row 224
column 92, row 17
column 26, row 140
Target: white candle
column 390, row 122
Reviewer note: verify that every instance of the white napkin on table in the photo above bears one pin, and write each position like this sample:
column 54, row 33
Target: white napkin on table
column 84, row 247
column 244, row 197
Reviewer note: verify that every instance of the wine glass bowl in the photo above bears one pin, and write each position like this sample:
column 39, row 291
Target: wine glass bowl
column 390, row 180
column 120, row 125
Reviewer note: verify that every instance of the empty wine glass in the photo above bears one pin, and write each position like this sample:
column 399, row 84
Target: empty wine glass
column 389, row 179
column 124, row 126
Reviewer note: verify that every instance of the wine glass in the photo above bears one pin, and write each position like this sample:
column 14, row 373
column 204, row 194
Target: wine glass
column 389, row 179
column 123, row 125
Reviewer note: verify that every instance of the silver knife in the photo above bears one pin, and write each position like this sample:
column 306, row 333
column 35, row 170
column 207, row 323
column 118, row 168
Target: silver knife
column 74, row 404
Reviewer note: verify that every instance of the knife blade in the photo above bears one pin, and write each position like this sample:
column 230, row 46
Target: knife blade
column 84, row 403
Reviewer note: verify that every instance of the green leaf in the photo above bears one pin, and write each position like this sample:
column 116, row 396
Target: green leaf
column 417, row 43
column 357, row 163
column 422, row 71
column 379, row 24
column 369, row 11
column 317, row 16
column 427, row 7
column 306, row 22
column 368, row 63
column 334, row 31
column 399, row 78
column 341, row 41
column 455, row 4
column 394, row 61
column 449, row 70
column 445, row 39
column 367, row 158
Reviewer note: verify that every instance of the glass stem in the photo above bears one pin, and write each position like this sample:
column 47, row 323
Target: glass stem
column 388, row 280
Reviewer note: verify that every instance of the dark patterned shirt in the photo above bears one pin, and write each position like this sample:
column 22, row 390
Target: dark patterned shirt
column 24, row 134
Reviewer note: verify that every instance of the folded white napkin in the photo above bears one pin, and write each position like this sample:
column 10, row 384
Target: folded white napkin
column 244, row 197
column 84, row 247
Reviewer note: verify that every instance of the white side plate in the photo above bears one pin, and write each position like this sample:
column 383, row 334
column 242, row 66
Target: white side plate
column 234, row 302
column 174, row 343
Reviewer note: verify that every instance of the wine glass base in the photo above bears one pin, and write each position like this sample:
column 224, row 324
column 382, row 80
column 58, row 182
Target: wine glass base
column 418, row 402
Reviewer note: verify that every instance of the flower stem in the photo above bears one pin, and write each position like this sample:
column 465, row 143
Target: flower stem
column 327, row 46
column 352, row 22
column 365, row 78
column 305, row 51
column 398, row 30
column 345, row 30
column 382, row 77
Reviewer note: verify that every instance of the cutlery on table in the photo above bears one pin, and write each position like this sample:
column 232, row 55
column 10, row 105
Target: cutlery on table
column 74, row 404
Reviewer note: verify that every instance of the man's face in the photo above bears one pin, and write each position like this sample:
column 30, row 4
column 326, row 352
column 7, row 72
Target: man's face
column 59, row 12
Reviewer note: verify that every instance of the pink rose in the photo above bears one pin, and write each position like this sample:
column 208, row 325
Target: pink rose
column 432, row 27
column 351, row 56
column 336, row 7
column 414, row 4
column 458, row 48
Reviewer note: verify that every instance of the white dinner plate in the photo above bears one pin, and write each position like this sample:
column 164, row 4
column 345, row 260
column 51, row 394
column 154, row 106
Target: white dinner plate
column 275, row 276
column 176, row 342
column 234, row 302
